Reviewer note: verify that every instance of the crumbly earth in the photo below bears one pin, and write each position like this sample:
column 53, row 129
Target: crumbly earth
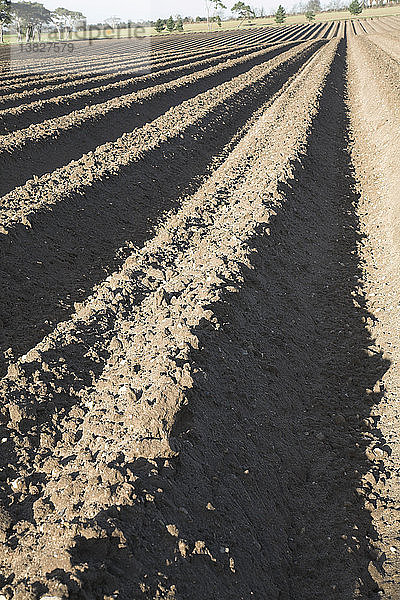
column 376, row 138
column 200, row 321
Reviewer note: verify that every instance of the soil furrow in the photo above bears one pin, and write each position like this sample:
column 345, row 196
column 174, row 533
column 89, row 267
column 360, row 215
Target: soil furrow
column 92, row 81
column 147, row 58
column 200, row 317
column 389, row 44
column 53, row 143
column 273, row 34
column 36, row 112
column 375, row 127
column 384, row 66
column 194, row 277
column 108, row 200
column 145, row 53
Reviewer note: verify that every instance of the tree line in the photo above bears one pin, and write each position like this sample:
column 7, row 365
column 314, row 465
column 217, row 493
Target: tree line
column 313, row 6
column 244, row 12
column 240, row 10
column 28, row 18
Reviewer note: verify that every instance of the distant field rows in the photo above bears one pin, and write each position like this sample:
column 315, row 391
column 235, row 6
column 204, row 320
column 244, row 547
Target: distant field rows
column 109, row 120
column 89, row 55
column 89, row 81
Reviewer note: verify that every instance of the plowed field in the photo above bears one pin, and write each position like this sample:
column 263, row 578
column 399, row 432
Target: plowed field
column 199, row 317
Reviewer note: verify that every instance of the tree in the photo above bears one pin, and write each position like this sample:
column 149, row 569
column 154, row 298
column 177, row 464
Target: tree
column 58, row 18
column 19, row 12
column 65, row 19
column 74, row 17
column 310, row 15
column 170, row 24
column 114, row 22
column 218, row 5
column 217, row 19
column 160, row 25
column 31, row 15
column 179, row 24
column 5, row 17
column 355, row 7
column 280, row 14
column 314, row 6
column 243, row 12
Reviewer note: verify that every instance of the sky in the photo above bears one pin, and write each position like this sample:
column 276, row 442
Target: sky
column 98, row 10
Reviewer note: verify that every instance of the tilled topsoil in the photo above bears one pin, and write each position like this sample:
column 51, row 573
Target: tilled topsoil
column 216, row 418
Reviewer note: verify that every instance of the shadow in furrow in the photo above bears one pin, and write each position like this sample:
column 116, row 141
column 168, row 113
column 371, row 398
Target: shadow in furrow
column 274, row 434
column 73, row 245
column 287, row 390
column 44, row 156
